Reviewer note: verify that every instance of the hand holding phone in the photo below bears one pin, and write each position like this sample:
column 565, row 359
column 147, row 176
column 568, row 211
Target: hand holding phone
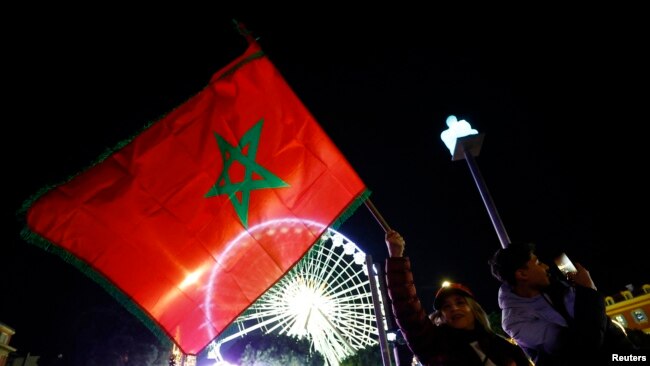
column 565, row 265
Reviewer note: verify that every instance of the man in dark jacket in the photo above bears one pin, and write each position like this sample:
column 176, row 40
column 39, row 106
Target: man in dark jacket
column 555, row 322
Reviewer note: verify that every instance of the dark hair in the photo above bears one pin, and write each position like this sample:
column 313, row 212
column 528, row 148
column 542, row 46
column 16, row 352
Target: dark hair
column 506, row 261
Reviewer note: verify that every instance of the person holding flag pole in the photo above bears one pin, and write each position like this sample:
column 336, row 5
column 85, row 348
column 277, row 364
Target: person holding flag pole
column 458, row 334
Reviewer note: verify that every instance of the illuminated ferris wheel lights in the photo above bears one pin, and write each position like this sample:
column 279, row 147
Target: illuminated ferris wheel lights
column 325, row 298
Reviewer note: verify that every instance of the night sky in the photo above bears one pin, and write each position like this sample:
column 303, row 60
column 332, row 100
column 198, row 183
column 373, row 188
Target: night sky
column 561, row 98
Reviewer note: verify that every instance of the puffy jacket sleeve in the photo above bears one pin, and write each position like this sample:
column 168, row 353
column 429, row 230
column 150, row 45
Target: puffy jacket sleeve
column 419, row 331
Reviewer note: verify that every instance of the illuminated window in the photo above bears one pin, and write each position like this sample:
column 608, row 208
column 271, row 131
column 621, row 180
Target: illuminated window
column 609, row 301
column 646, row 289
column 639, row 316
column 620, row 319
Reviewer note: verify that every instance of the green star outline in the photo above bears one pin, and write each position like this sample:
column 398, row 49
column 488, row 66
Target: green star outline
column 229, row 155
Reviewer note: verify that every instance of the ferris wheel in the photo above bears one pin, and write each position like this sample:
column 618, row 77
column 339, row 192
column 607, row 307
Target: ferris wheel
column 326, row 298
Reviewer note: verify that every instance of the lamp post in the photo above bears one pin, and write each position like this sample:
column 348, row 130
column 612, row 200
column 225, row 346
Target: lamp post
column 464, row 142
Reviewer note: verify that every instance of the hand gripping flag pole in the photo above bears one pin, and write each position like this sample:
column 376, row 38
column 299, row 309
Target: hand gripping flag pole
column 465, row 143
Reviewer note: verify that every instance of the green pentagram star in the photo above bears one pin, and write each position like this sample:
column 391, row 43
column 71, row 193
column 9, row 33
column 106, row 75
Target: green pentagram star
column 230, row 154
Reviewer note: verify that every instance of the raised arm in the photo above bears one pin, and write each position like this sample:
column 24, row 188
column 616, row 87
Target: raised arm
column 395, row 243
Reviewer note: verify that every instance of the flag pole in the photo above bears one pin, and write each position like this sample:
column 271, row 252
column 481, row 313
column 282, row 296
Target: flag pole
column 241, row 28
column 377, row 215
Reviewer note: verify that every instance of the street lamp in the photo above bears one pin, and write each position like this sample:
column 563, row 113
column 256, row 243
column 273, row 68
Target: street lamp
column 464, row 142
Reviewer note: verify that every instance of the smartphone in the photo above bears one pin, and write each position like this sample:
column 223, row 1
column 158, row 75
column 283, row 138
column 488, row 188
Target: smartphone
column 564, row 264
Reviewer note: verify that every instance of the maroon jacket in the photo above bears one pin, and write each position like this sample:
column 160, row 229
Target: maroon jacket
column 440, row 345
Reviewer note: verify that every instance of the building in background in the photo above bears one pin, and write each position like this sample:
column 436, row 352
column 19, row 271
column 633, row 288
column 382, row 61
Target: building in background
column 5, row 348
column 630, row 308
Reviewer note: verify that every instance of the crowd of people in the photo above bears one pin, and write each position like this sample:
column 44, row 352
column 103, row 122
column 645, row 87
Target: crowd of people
column 550, row 320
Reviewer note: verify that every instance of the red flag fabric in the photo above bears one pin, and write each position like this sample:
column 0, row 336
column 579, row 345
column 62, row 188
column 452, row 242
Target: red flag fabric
column 207, row 208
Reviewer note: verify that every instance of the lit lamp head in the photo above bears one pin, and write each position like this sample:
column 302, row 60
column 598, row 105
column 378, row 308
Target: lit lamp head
column 460, row 137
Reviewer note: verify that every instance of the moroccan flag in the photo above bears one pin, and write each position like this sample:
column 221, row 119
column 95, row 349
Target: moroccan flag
column 203, row 211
